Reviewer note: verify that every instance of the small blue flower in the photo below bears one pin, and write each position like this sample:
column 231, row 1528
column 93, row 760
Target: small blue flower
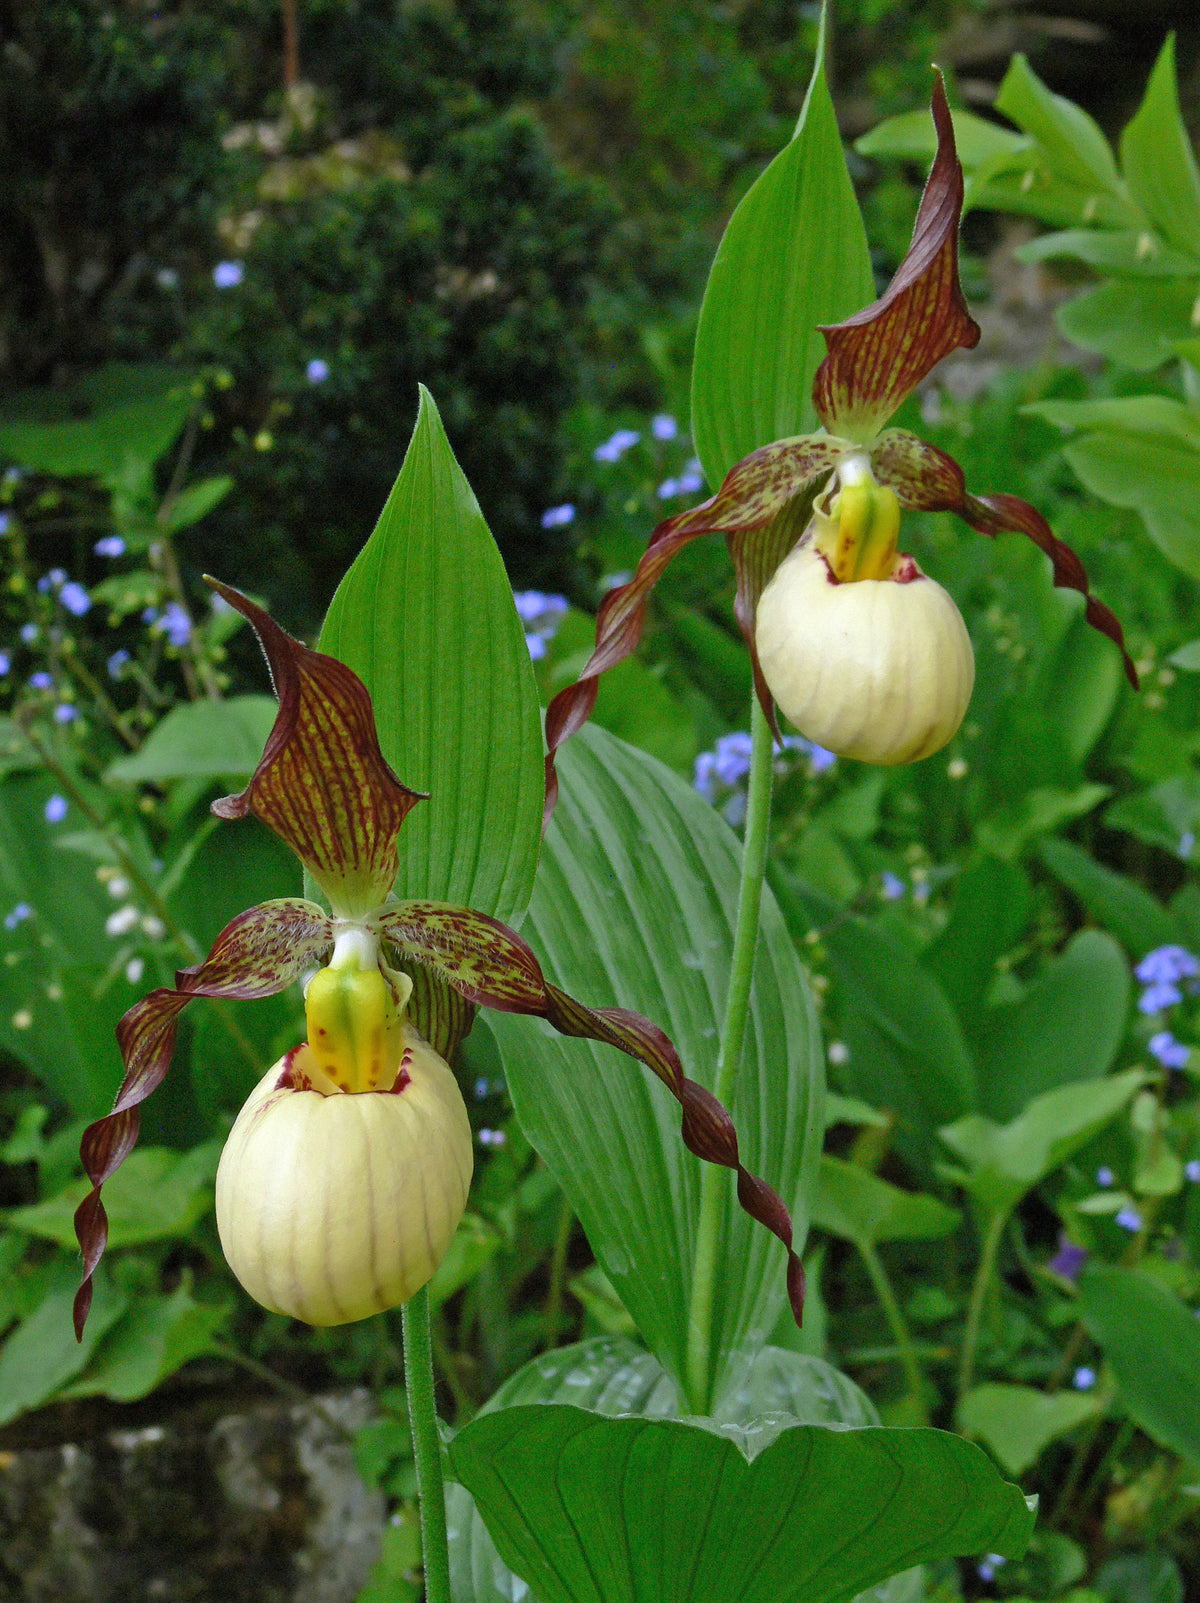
column 690, row 483
column 228, row 275
column 616, row 446
column 317, row 370
column 988, row 1566
column 704, row 778
column 1104, row 1175
column 663, row 426
column 733, row 757
column 116, row 662
column 667, row 489
column 52, row 580
column 558, row 517
column 1155, row 998
column 893, row 887
column 41, row 680
column 149, row 614
column 29, row 633
column 112, row 545
column 55, row 809
column 1166, row 964
column 18, row 915
column 5, row 663
column 1187, row 843
column 481, row 1087
column 1172, row 1054
column 1129, row 1219
column 75, row 598
column 541, row 614
column 821, row 759
column 492, row 1138
column 4, row 522
column 537, row 646
column 1192, row 1170
column 1084, row 1378
column 1069, row 1259
column 64, row 713
column 175, row 624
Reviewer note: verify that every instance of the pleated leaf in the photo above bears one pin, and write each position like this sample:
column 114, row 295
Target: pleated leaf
column 793, row 256
column 595, row 1510
column 634, row 907
column 425, row 617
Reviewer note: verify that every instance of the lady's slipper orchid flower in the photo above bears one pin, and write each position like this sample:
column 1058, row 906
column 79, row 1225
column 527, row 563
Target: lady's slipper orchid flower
column 346, row 1173
column 866, row 655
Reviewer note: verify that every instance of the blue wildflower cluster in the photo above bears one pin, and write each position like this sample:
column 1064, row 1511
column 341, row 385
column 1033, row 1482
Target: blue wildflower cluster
column 1165, row 974
column 719, row 773
column 541, row 614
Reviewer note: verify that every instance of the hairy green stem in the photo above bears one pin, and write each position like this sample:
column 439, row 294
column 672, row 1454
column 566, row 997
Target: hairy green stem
column 983, row 1279
column 714, row 1182
column 898, row 1326
column 427, row 1451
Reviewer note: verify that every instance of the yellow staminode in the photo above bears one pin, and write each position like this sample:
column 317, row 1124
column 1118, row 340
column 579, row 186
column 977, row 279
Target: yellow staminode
column 859, row 534
column 356, row 1018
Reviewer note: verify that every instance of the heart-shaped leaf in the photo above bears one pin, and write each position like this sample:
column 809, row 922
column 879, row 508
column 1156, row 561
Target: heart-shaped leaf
column 595, row 1510
column 635, row 907
column 425, row 617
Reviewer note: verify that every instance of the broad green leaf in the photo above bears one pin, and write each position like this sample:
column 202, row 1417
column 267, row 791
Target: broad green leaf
column 1010, row 829
column 1158, row 161
column 201, row 740
column 41, row 1355
column 988, row 916
column 155, row 1194
column 852, row 1110
column 154, row 1337
column 1016, row 1422
column 634, row 907
column 425, row 617
column 793, row 256
column 595, row 1510
column 1161, row 816
column 117, row 446
column 196, row 502
column 1150, row 416
column 1135, row 322
column 1072, row 142
column 1083, row 682
column 475, row 1243
column 1152, row 1341
column 1159, row 479
column 56, row 1014
column 858, row 1206
column 1068, row 1026
column 1121, row 905
column 1128, row 252
column 611, row 1376
column 912, row 137
column 1007, row 1160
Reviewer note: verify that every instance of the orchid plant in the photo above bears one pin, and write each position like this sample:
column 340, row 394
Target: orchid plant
column 865, row 654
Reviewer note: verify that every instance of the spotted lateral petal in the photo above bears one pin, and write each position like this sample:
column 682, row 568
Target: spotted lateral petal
column 927, row 480
column 878, row 357
column 259, row 954
column 752, row 497
column 323, row 785
column 490, row 964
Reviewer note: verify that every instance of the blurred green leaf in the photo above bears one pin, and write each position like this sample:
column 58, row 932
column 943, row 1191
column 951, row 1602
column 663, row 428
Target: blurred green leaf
column 155, row 1194
column 1152, row 1341
column 592, row 1510
column 793, row 256
column 634, row 907
column 858, row 1206
column 1135, row 322
column 912, row 137
column 475, row 1243
column 1017, row 1422
column 988, row 916
column 1121, row 905
column 1009, row 830
column 41, row 1355
column 1072, row 142
column 1127, row 253
column 196, row 502
column 201, row 740
column 118, row 446
column 1005, row 1161
column 1162, row 816
column 153, row 1338
column 425, row 617
column 1158, row 161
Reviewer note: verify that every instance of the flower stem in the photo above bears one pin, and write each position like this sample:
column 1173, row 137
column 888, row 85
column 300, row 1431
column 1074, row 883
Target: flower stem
column 909, row 1361
column 427, row 1451
column 714, row 1182
column 983, row 1279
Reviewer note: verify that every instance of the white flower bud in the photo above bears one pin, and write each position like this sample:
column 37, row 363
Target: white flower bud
column 332, row 1207
column 876, row 669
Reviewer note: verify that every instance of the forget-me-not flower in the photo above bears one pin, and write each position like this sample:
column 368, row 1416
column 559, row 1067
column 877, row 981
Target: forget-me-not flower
column 228, row 275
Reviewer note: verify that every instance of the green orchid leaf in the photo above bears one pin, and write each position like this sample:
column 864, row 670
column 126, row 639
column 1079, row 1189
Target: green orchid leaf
column 154, row 1337
column 1158, row 160
column 793, row 256
column 858, row 1206
column 1152, row 1341
column 1036, row 1044
column 1007, row 1160
column 1071, row 140
column 1017, row 1422
column 42, row 1355
column 1129, row 252
column 425, row 617
column 634, row 907
column 157, row 1194
column 200, row 740
column 615, row 1375
column 1136, row 322
column 1137, row 919
column 595, row 1510
column 988, row 916
column 912, row 137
